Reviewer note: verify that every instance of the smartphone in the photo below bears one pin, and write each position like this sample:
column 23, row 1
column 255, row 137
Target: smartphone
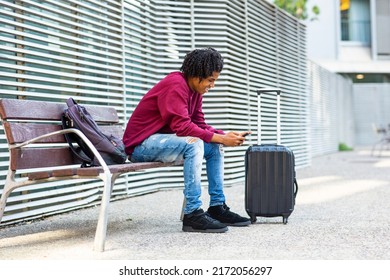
column 245, row 134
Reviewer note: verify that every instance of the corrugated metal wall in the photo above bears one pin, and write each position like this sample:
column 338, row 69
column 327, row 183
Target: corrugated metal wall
column 111, row 52
column 331, row 110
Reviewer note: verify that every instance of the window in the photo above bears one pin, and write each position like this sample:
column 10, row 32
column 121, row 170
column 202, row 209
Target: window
column 355, row 21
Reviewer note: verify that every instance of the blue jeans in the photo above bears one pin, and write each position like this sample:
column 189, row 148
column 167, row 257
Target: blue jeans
column 171, row 148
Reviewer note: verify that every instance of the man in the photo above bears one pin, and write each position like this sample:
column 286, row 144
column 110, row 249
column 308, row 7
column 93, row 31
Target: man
column 168, row 125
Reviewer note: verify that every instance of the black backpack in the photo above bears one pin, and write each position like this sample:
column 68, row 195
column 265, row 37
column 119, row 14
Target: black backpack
column 111, row 148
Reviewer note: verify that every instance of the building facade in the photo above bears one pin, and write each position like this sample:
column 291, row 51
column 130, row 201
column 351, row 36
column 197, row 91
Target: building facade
column 352, row 38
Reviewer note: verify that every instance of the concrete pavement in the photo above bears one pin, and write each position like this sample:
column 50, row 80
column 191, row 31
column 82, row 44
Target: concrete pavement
column 341, row 213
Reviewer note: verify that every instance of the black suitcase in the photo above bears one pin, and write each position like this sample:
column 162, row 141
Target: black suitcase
column 270, row 183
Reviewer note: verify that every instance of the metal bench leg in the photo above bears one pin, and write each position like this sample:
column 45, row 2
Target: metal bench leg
column 9, row 186
column 182, row 209
column 101, row 229
column 3, row 202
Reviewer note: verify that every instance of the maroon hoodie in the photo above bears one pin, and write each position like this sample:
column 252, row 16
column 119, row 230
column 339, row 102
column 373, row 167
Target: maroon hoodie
column 169, row 107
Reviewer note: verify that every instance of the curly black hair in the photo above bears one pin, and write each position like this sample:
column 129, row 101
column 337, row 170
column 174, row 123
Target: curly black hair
column 201, row 63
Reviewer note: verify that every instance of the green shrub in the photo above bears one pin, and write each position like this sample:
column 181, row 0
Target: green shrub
column 344, row 147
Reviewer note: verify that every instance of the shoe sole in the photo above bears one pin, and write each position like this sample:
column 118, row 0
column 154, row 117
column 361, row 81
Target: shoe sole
column 241, row 224
column 210, row 230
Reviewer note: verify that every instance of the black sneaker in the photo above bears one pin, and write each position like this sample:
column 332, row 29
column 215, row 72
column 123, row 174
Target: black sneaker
column 223, row 214
column 200, row 221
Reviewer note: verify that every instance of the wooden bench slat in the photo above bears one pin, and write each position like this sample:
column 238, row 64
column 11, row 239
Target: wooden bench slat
column 64, row 172
column 96, row 170
column 121, row 168
column 41, row 157
column 28, row 109
column 19, row 109
column 21, row 132
column 103, row 115
column 40, row 175
column 33, row 176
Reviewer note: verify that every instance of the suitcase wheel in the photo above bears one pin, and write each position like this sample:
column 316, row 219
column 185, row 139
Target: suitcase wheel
column 285, row 220
column 253, row 218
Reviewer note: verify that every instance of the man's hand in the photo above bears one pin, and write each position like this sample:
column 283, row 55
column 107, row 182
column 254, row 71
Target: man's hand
column 230, row 139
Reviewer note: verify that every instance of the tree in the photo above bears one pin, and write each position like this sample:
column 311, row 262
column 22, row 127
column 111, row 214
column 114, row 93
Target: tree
column 298, row 8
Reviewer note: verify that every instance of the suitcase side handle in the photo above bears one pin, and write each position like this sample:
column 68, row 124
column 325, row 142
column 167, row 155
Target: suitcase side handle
column 278, row 128
column 296, row 187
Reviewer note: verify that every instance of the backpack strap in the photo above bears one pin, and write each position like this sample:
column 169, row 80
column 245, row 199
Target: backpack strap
column 81, row 152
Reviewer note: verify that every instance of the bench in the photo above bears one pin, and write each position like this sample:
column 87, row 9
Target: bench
column 39, row 153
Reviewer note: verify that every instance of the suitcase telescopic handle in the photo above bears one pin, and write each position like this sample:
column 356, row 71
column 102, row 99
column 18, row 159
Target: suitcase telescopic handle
column 278, row 128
